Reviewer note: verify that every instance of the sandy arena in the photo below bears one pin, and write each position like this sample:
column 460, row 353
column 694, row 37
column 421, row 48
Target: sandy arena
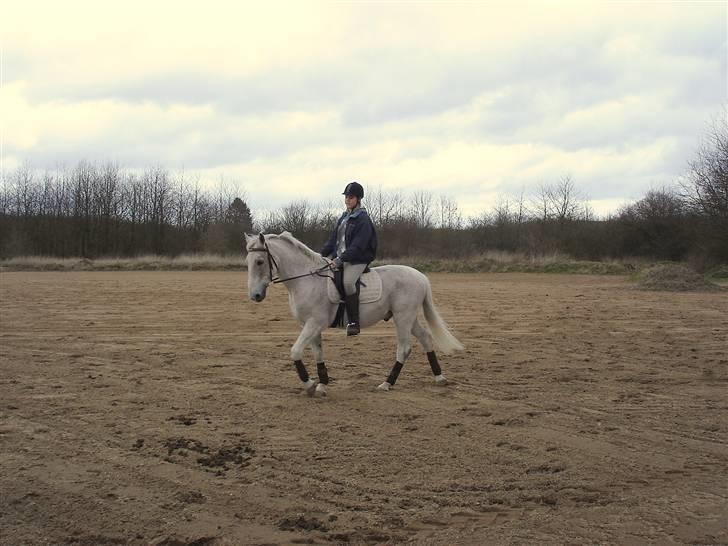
column 162, row 408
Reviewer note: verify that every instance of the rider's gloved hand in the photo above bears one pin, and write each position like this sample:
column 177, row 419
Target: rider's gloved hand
column 337, row 263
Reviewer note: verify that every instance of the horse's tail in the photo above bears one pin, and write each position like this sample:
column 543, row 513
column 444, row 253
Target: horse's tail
column 443, row 339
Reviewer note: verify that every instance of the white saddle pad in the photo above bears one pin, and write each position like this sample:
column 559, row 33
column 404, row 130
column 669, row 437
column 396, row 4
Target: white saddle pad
column 368, row 294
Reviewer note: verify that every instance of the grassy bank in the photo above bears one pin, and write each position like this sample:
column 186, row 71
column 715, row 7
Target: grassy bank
column 502, row 262
column 494, row 262
column 491, row 262
column 191, row 262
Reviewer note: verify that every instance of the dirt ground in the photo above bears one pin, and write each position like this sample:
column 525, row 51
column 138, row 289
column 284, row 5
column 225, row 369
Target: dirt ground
column 162, row 408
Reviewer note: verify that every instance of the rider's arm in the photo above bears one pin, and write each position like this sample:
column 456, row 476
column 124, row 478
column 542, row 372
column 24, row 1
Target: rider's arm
column 327, row 251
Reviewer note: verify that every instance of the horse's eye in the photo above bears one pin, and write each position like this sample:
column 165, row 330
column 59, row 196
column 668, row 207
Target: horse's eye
column 259, row 262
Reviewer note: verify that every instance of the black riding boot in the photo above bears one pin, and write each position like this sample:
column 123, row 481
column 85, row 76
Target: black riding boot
column 352, row 311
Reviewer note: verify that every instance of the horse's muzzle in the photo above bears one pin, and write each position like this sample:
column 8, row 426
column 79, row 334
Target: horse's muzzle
column 258, row 296
column 258, row 291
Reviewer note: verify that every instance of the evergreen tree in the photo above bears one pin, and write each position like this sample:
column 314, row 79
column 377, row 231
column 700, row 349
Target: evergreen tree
column 238, row 220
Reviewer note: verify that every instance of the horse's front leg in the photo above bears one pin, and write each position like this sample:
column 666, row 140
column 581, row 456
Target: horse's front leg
column 323, row 373
column 310, row 330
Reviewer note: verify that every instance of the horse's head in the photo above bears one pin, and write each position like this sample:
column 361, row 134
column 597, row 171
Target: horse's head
column 260, row 265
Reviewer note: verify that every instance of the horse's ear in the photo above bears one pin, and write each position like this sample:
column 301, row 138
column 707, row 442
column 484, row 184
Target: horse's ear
column 248, row 239
column 261, row 237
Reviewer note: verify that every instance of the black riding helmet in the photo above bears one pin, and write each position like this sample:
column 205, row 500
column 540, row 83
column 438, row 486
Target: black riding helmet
column 355, row 189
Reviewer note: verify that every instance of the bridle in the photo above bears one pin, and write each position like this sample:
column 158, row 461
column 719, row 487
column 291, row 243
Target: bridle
column 271, row 260
column 272, row 263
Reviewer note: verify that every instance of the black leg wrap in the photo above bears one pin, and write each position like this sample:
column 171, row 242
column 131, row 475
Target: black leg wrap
column 434, row 364
column 394, row 374
column 323, row 373
column 301, row 369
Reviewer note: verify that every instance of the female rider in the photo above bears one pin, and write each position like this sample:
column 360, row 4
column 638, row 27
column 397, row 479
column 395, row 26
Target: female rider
column 353, row 245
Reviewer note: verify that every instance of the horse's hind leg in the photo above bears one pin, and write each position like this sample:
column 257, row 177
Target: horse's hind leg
column 404, row 348
column 425, row 339
column 323, row 373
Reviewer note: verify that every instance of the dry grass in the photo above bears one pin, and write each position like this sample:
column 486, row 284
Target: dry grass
column 185, row 262
column 719, row 272
column 507, row 262
column 674, row 277
column 490, row 262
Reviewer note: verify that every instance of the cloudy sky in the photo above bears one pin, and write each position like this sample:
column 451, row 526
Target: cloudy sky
column 293, row 99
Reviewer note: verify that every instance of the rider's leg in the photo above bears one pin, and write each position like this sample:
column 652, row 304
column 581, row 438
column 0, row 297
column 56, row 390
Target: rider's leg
column 352, row 272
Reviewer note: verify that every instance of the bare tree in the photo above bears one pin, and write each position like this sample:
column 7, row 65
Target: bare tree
column 201, row 208
column 450, row 217
column 296, row 217
column 376, row 204
column 182, row 197
column 25, row 191
column 227, row 191
column 106, row 204
column 521, row 210
column 267, row 221
column 384, row 207
column 501, row 212
column 560, row 201
column 564, row 200
column 656, row 225
column 540, row 202
column 661, row 203
column 421, row 208
column 520, row 216
column 6, row 198
column 706, row 184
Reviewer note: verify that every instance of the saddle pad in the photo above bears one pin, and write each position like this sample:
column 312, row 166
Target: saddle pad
column 368, row 294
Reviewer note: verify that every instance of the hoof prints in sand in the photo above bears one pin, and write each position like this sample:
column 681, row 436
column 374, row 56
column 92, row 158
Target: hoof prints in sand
column 218, row 460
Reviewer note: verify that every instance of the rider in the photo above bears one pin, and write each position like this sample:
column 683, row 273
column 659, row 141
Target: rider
column 352, row 244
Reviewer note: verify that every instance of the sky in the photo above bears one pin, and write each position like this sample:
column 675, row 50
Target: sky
column 475, row 101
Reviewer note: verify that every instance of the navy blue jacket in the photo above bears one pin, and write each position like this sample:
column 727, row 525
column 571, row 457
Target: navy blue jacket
column 360, row 238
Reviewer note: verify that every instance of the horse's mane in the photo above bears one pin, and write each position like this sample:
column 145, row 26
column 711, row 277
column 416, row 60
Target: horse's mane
column 290, row 239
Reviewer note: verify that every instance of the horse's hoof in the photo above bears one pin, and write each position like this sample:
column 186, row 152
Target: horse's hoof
column 320, row 390
column 440, row 380
column 309, row 387
column 384, row 386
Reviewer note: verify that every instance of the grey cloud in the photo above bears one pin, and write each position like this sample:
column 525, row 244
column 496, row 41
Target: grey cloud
column 273, row 91
column 680, row 39
column 215, row 148
column 376, row 87
column 16, row 66
column 676, row 103
column 371, row 87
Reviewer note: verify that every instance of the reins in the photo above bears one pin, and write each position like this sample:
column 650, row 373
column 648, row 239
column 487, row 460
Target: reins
column 316, row 272
column 272, row 262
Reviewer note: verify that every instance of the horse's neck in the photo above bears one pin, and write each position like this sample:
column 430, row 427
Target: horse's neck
column 291, row 261
column 306, row 292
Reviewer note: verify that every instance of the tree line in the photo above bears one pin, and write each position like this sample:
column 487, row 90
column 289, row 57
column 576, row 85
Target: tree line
column 102, row 210
column 98, row 210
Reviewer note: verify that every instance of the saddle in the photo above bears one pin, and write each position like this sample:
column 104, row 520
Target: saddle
column 369, row 288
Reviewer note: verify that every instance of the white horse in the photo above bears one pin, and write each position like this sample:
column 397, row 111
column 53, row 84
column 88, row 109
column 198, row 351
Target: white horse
column 283, row 258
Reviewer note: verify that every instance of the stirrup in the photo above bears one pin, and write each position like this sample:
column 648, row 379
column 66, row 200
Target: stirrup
column 352, row 329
